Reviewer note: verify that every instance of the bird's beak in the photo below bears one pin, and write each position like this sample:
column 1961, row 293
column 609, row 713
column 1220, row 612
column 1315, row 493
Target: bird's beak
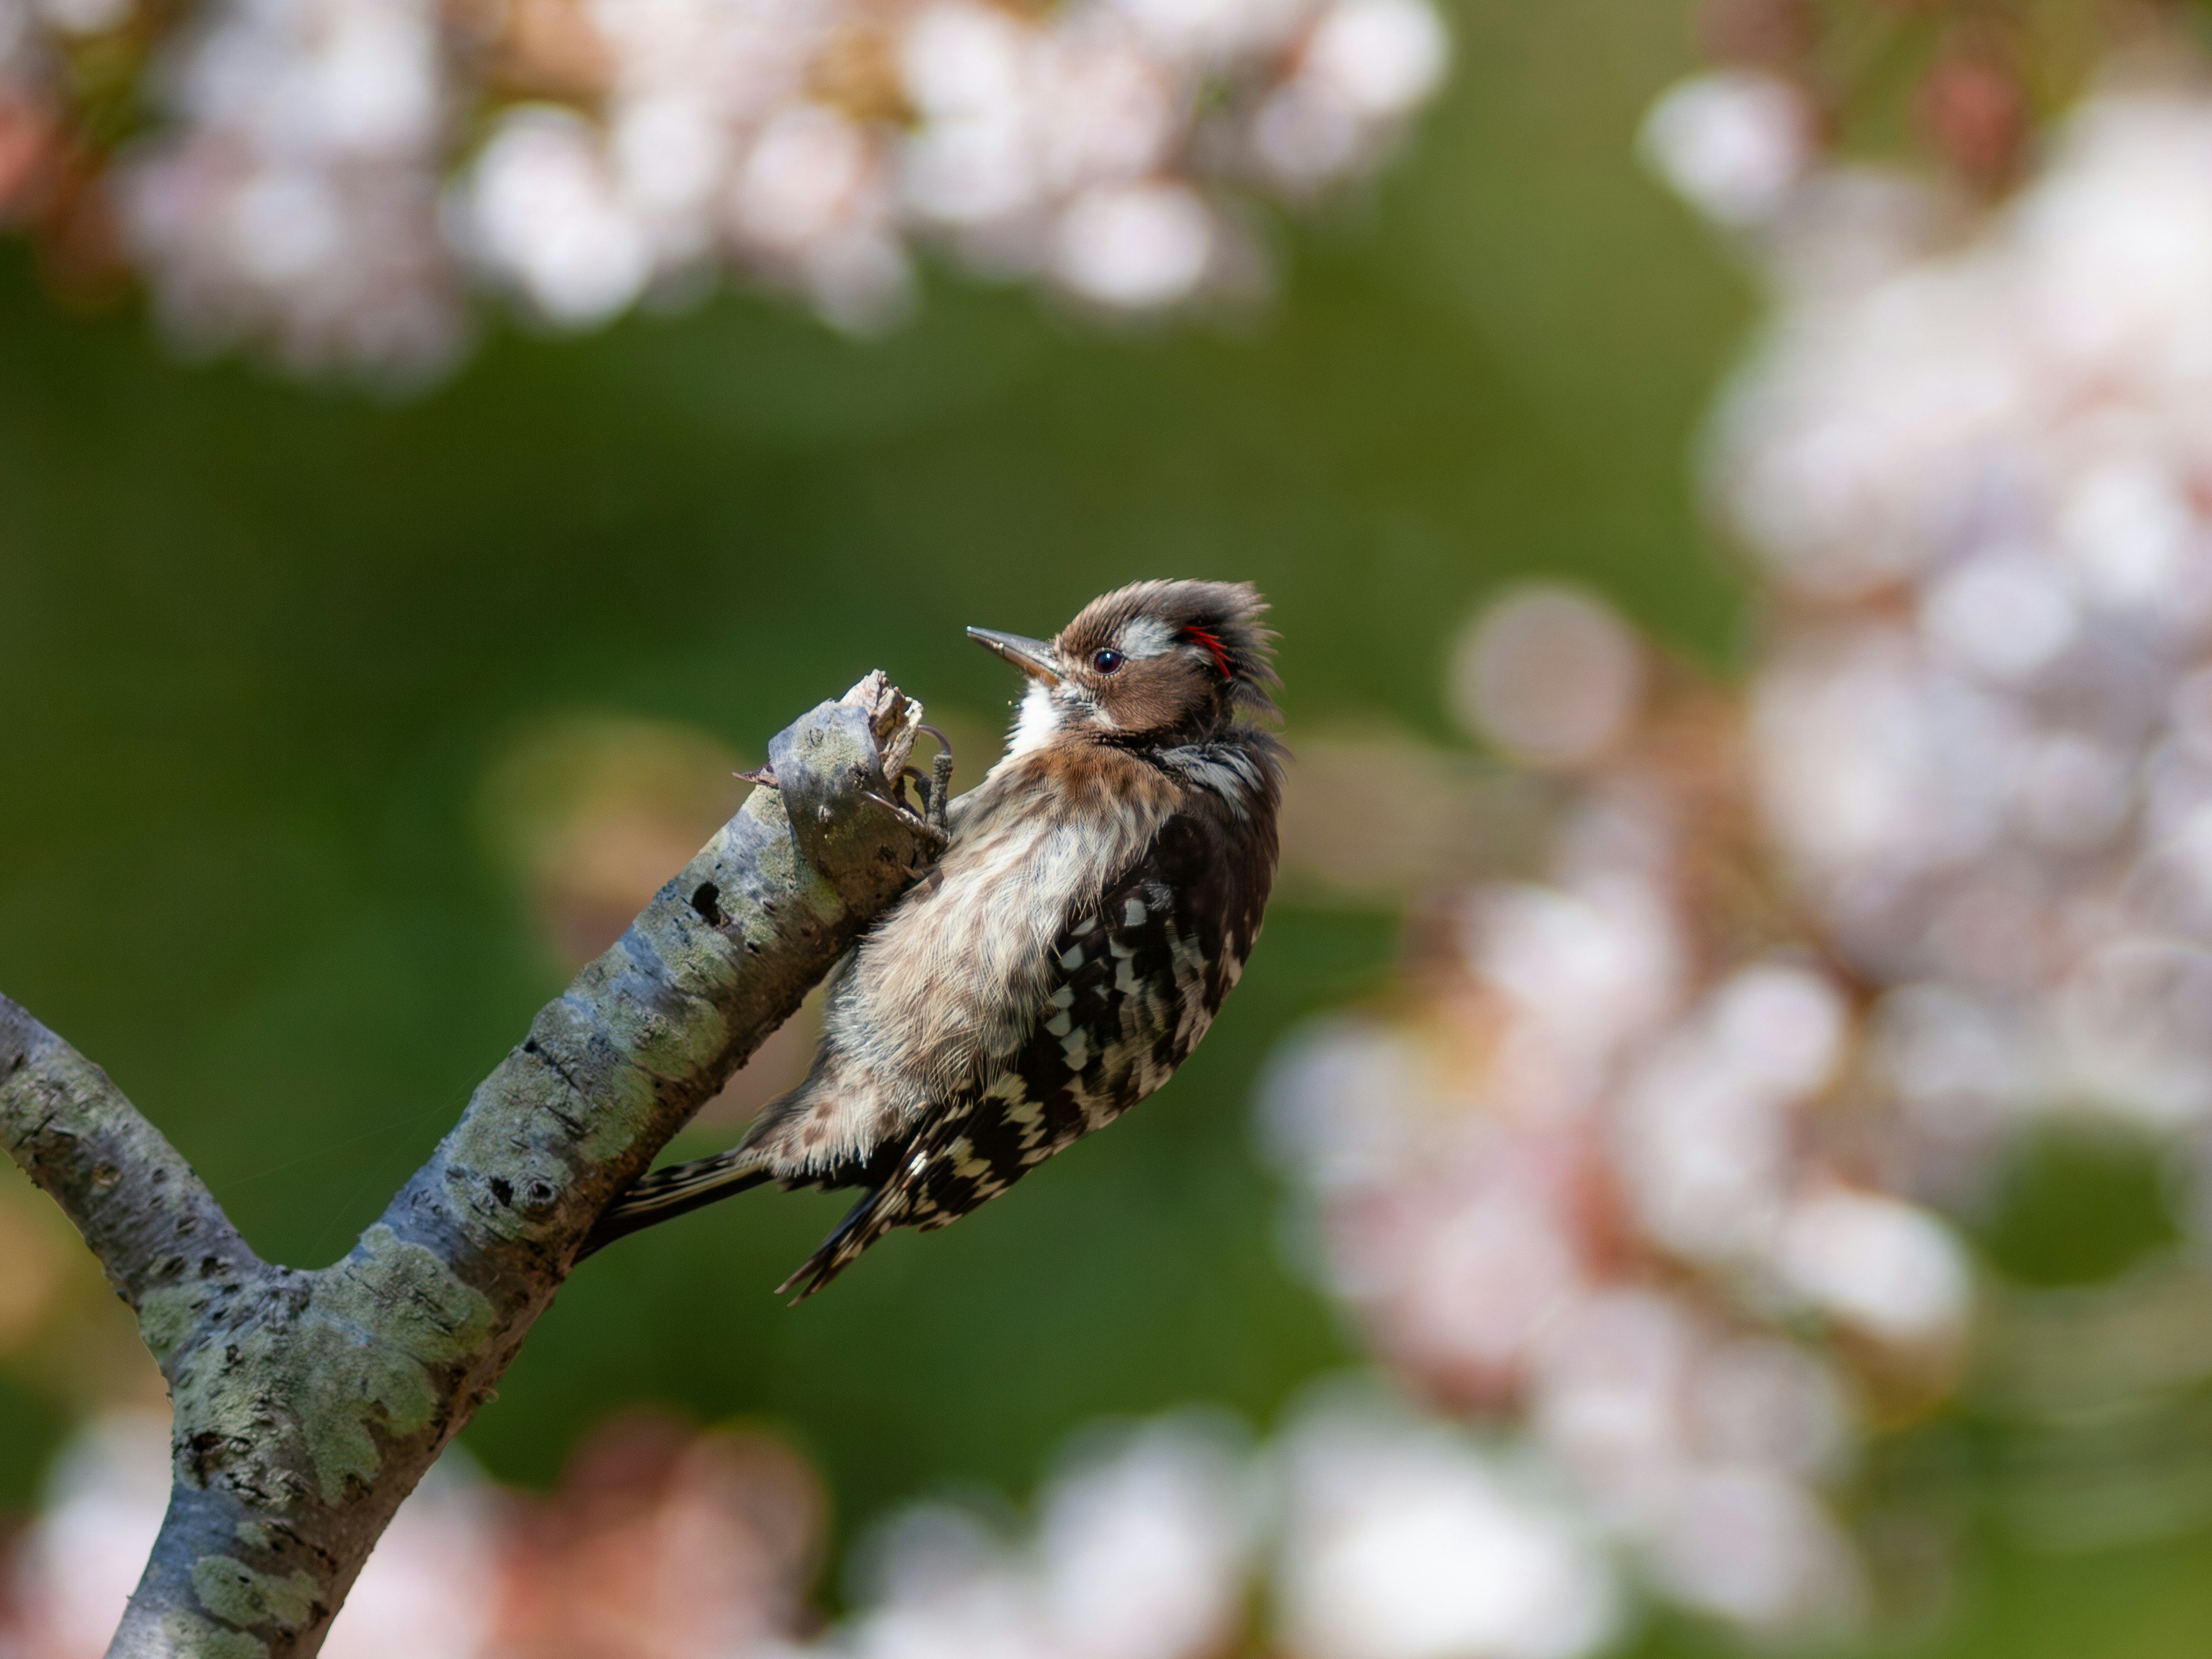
column 1032, row 657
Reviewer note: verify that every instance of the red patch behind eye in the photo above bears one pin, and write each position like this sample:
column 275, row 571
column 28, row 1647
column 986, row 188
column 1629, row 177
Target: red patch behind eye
column 1220, row 651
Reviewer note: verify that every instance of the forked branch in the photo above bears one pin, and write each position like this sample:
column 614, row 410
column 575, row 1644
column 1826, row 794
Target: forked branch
column 308, row 1404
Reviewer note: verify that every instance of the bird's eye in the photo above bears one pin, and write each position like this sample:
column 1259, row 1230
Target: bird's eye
column 1105, row 661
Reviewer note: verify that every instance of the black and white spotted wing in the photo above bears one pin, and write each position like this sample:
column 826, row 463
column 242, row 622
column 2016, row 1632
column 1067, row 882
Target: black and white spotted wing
column 1136, row 983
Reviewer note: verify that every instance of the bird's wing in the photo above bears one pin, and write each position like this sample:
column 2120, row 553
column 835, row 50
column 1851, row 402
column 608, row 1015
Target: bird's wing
column 1135, row 983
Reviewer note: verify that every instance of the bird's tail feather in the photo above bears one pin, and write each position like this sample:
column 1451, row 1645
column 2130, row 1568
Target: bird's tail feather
column 675, row 1190
column 864, row 1223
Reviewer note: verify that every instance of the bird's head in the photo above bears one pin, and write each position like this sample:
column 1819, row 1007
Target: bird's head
column 1153, row 663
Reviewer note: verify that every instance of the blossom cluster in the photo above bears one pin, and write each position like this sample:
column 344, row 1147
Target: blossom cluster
column 1597, row 1168
column 329, row 177
column 1364, row 1534
column 1649, row 1157
column 1977, row 473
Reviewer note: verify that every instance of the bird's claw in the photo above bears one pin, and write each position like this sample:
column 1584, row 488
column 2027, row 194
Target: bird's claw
column 935, row 834
column 759, row 775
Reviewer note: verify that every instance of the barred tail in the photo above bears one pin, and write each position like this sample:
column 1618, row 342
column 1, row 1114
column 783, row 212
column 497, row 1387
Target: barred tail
column 876, row 1215
column 677, row 1190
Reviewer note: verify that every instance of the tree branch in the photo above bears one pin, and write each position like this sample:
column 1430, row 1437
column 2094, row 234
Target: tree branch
column 308, row 1404
column 149, row 1218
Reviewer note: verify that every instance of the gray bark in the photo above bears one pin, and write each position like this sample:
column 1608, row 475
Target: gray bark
column 308, row 1404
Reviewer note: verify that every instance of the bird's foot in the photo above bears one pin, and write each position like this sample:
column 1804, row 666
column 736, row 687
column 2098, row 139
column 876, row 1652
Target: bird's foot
column 937, row 794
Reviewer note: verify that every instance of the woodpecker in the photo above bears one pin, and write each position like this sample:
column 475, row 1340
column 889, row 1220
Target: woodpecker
column 1097, row 897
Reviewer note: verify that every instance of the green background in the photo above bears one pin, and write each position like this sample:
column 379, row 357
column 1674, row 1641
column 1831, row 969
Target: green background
column 259, row 645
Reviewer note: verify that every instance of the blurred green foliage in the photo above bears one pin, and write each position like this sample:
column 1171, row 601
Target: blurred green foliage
column 2077, row 1202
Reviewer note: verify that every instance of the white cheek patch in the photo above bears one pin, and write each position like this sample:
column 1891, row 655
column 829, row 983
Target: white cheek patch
column 1147, row 636
column 1035, row 724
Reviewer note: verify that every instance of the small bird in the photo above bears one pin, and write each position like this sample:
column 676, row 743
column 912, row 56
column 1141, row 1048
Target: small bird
column 1099, row 894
